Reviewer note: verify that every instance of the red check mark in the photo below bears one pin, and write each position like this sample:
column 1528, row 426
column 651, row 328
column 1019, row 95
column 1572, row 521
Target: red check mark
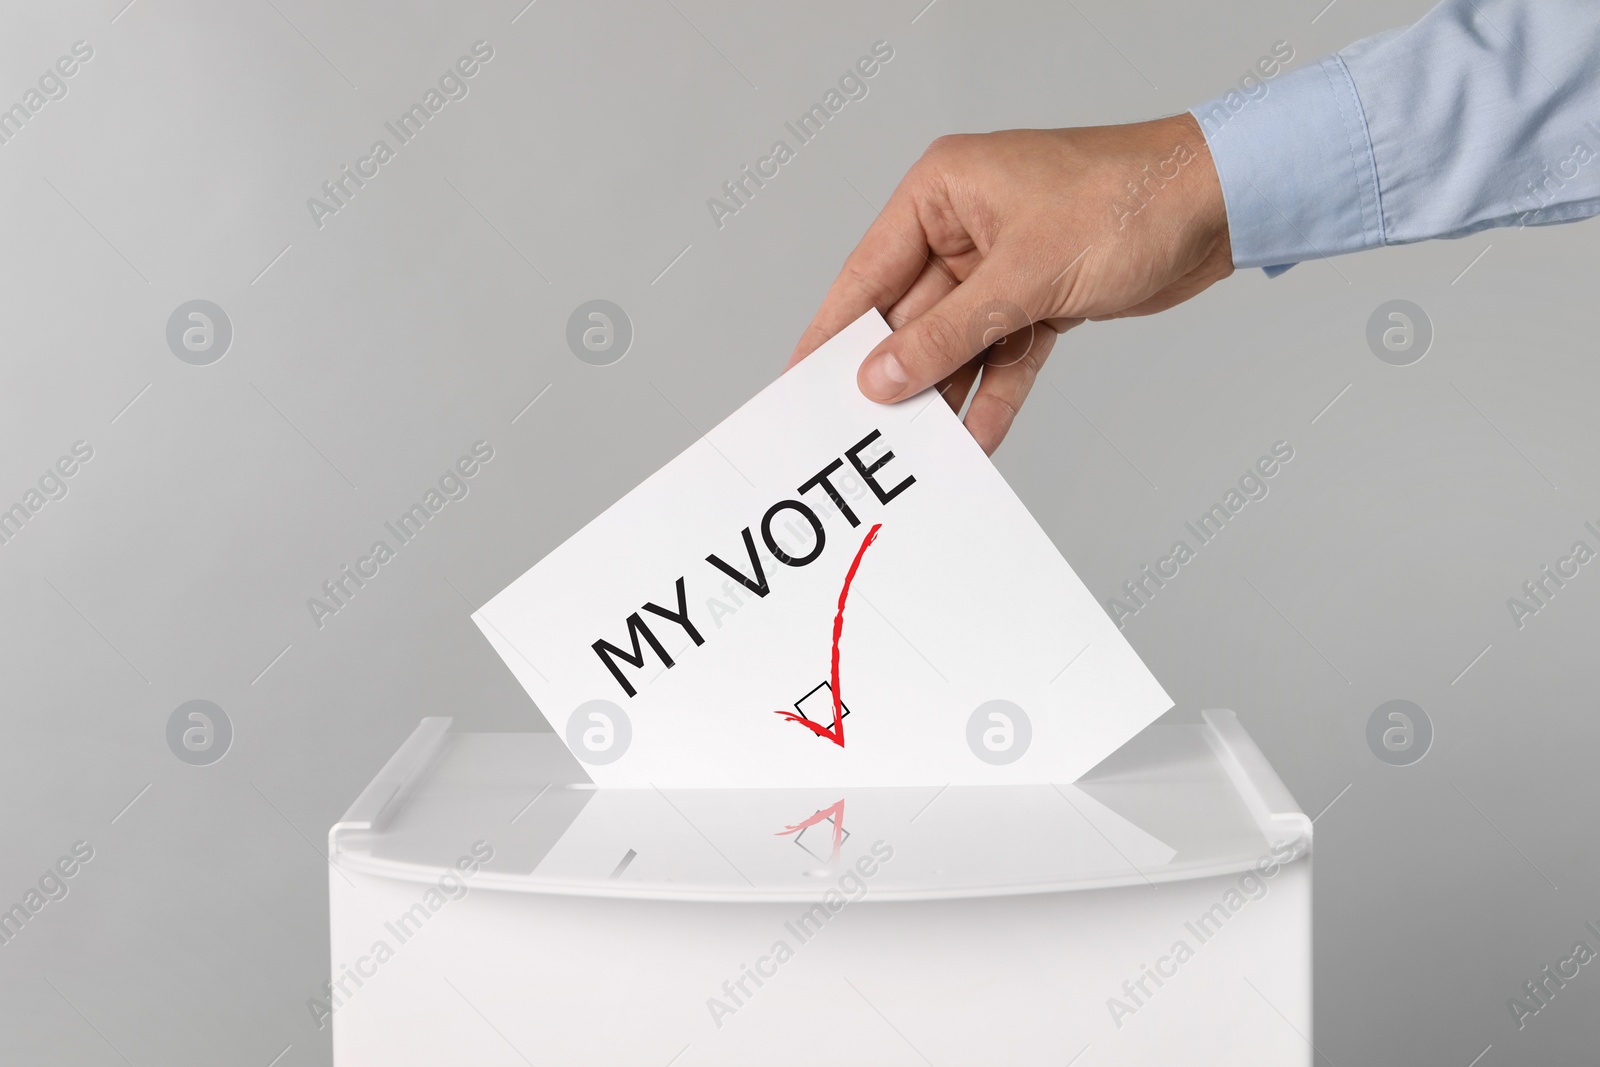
column 835, row 733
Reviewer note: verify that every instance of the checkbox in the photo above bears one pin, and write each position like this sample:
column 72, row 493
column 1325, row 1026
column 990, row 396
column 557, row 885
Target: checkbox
column 817, row 706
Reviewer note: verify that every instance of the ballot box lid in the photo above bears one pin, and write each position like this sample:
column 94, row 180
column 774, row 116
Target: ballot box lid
column 515, row 812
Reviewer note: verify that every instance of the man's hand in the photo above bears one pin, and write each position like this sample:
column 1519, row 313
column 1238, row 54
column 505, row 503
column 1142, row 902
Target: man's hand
column 991, row 234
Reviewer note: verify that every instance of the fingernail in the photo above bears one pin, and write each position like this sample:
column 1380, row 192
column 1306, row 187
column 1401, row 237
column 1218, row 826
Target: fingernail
column 882, row 377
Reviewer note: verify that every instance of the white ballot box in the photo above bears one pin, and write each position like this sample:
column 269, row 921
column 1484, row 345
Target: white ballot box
column 490, row 906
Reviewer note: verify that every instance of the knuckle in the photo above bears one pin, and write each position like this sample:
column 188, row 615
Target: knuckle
column 1005, row 346
column 852, row 271
column 989, row 419
column 942, row 148
column 1034, row 358
column 937, row 344
column 861, row 281
column 1028, row 368
column 1005, row 409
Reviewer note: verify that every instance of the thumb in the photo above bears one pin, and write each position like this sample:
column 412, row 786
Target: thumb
column 990, row 306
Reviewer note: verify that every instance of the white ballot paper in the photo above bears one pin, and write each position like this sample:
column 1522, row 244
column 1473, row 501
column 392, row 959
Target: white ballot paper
column 822, row 591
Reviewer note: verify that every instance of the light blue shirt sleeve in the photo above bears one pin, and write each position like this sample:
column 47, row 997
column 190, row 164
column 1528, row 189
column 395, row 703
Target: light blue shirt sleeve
column 1484, row 113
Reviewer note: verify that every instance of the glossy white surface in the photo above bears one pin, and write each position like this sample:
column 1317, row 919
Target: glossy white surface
column 1178, row 802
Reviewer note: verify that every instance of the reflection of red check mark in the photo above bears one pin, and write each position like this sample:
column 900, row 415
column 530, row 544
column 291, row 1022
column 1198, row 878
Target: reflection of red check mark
column 835, row 813
column 835, row 733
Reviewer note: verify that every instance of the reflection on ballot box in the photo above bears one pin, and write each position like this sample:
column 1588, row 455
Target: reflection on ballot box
column 491, row 906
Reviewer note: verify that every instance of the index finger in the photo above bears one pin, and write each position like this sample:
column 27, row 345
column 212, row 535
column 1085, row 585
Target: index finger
column 883, row 266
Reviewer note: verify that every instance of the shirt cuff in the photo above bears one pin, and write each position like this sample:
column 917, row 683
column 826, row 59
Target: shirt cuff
column 1296, row 166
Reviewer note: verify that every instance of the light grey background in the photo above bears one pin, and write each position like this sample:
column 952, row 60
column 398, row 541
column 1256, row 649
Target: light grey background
column 370, row 354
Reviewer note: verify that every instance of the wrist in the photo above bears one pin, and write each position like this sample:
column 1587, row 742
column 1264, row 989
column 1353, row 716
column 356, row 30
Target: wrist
column 1203, row 210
